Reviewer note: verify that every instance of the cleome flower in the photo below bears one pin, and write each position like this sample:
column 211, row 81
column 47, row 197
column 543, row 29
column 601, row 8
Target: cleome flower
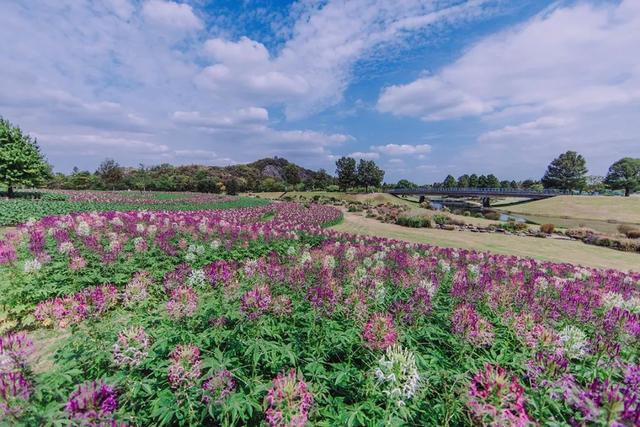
column 288, row 401
column 574, row 342
column 256, row 302
column 469, row 325
column 185, row 366
column 217, row 387
column 183, row 302
column 497, row 399
column 397, row 374
column 380, row 332
column 92, row 404
column 132, row 347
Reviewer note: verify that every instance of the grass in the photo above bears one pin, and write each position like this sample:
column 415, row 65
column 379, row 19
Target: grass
column 595, row 208
column 544, row 249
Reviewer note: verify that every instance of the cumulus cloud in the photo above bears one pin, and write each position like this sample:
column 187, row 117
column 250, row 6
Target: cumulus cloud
column 171, row 15
column 400, row 149
column 364, row 155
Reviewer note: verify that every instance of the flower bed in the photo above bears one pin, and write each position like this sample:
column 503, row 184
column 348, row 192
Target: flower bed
column 261, row 315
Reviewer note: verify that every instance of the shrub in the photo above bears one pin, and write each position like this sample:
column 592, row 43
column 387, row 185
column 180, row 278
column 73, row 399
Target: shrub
column 547, row 228
column 630, row 231
column 513, row 226
column 414, row 221
column 333, row 188
column 492, row 215
column 580, row 232
column 440, row 219
column 466, row 213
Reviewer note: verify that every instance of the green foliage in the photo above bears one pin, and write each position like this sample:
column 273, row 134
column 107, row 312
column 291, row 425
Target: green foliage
column 346, row 172
column 566, row 172
column 414, row 221
column 624, row 174
column 369, row 174
column 449, row 182
column 21, row 162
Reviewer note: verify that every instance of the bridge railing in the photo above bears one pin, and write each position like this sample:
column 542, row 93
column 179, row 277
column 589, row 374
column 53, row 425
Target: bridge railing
column 468, row 190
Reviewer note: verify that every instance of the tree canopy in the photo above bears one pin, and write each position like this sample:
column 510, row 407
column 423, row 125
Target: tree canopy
column 566, row 172
column 369, row 174
column 624, row 174
column 21, row 162
column 346, row 172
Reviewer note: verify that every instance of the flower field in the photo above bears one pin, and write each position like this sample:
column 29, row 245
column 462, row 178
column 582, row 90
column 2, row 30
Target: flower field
column 263, row 316
column 60, row 202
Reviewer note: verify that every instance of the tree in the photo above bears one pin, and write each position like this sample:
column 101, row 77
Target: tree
column 492, row 181
column 110, row 173
column 291, row 174
column 450, row 182
column 566, row 172
column 369, row 174
column 505, row 184
column 404, row 183
column 473, row 181
column 624, row 174
column 463, row 181
column 346, row 172
column 21, row 162
column 482, row 182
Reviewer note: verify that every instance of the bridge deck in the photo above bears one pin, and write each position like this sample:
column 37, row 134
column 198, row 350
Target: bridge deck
column 479, row 192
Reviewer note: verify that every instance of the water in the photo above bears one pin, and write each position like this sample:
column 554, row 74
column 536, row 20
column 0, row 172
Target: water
column 473, row 208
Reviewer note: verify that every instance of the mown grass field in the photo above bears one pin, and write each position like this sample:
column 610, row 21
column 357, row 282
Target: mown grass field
column 544, row 249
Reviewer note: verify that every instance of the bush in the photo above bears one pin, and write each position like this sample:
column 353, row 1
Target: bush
column 466, row 213
column 440, row 219
column 414, row 221
column 580, row 232
column 630, row 231
column 333, row 188
column 514, row 226
column 547, row 228
column 492, row 215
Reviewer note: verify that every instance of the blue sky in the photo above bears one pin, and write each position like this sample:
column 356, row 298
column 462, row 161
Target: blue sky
column 425, row 88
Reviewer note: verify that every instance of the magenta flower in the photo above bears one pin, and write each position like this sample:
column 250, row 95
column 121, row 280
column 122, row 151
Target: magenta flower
column 288, row 401
column 14, row 350
column 497, row 398
column 217, row 387
column 137, row 289
column 92, row 403
column 219, row 272
column 132, row 347
column 15, row 391
column 185, row 366
column 183, row 302
column 256, row 302
column 469, row 325
column 380, row 332
column 7, row 253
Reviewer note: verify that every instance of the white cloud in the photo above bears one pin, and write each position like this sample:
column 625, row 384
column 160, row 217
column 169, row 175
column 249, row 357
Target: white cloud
column 243, row 116
column 364, row 155
column 171, row 15
column 401, row 149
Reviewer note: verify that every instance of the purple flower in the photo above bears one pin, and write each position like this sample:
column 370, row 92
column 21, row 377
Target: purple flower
column 183, row 302
column 219, row 272
column 15, row 391
column 469, row 325
column 132, row 347
column 256, row 302
column 14, row 350
column 185, row 366
column 92, row 403
column 7, row 253
column 218, row 387
column 288, row 401
column 379, row 331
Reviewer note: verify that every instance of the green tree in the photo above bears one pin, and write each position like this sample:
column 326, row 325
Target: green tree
column 473, row 180
column 346, row 172
column 21, row 162
column 463, row 181
column 505, row 184
column 404, row 183
column 291, row 174
column 450, row 182
column 369, row 174
column 567, row 172
column 110, row 173
column 492, row 181
column 482, row 182
column 624, row 174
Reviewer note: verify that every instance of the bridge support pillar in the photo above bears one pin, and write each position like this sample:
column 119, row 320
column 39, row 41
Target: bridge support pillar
column 486, row 202
column 421, row 200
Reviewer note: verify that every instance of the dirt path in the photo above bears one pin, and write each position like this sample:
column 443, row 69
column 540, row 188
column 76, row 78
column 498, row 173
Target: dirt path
column 546, row 249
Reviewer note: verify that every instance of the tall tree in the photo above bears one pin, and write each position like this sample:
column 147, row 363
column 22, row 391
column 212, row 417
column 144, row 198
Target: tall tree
column 346, row 172
column 567, row 172
column 473, row 180
column 463, row 181
column 450, row 182
column 110, row 173
column 291, row 174
column 624, row 174
column 405, row 183
column 21, row 162
column 482, row 182
column 492, row 181
column 369, row 174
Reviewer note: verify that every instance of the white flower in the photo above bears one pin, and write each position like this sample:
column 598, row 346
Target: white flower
column 429, row 286
column 350, row 254
column 197, row 279
column 66, row 247
column 329, row 262
column 305, row 257
column 397, row 374
column 140, row 228
column 574, row 342
column 291, row 251
column 32, row 266
column 444, row 265
column 215, row 244
column 83, row 229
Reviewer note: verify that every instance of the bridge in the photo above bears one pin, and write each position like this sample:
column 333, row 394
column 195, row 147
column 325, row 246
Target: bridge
column 483, row 193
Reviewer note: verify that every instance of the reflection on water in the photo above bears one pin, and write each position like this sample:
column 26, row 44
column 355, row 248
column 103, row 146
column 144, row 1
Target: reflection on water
column 459, row 207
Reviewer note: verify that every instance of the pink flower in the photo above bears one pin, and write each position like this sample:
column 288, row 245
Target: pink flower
column 256, row 302
column 468, row 324
column 218, row 387
column 288, row 401
column 15, row 391
column 185, row 366
column 380, row 332
column 92, row 404
column 496, row 398
column 183, row 302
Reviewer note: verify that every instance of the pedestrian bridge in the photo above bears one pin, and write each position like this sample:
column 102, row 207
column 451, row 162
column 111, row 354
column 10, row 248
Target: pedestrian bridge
column 483, row 193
